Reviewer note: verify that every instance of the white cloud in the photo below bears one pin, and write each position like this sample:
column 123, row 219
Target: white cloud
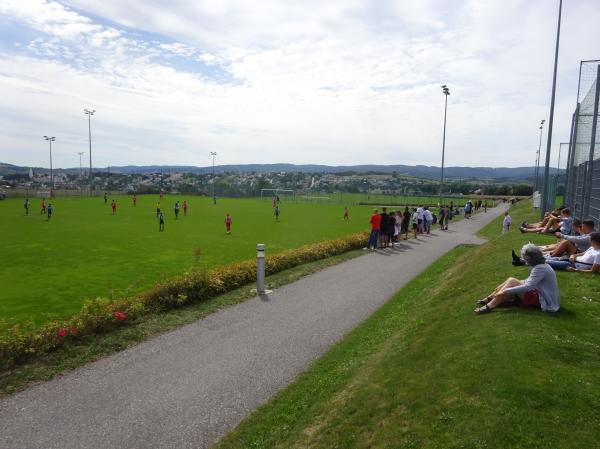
column 311, row 82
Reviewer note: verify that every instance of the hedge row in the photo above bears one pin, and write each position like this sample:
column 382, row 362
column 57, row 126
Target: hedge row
column 101, row 314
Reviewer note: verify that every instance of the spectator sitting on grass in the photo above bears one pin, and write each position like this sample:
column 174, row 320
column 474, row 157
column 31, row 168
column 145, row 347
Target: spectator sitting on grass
column 539, row 290
column 572, row 244
column 586, row 262
column 553, row 225
column 547, row 216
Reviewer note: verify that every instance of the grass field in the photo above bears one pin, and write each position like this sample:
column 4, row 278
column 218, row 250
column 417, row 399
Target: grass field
column 378, row 198
column 425, row 372
column 50, row 268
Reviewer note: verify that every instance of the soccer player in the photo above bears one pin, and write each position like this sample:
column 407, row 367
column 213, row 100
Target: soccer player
column 114, row 206
column 228, row 223
column 134, row 199
column 50, row 210
column 105, row 197
column 161, row 222
column 346, row 214
column 157, row 208
column 277, row 212
column 26, row 206
column 176, row 210
column 185, row 207
column 43, row 211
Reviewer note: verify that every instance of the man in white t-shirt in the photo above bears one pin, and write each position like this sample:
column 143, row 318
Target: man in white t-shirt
column 427, row 219
column 420, row 211
column 586, row 262
column 506, row 223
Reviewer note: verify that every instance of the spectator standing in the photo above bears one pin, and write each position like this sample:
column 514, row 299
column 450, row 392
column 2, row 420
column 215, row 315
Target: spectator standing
column 420, row 219
column 405, row 222
column 506, row 223
column 375, row 228
column 384, row 228
column 427, row 219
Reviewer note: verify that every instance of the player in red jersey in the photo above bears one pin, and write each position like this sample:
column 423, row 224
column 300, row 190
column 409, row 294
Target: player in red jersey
column 228, row 223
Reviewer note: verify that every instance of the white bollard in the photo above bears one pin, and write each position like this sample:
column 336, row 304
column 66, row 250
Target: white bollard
column 260, row 268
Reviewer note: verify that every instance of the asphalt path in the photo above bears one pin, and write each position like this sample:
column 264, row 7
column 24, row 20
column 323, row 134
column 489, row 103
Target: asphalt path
column 186, row 388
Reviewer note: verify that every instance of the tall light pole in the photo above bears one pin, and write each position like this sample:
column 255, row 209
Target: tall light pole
column 89, row 113
column 537, row 166
column 213, row 154
column 80, row 153
column 50, row 140
column 544, row 207
column 446, row 92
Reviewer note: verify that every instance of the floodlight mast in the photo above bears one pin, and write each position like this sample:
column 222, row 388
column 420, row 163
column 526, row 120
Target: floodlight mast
column 213, row 154
column 89, row 113
column 545, row 204
column 80, row 153
column 446, row 92
column 537, row 167
column 50, row 140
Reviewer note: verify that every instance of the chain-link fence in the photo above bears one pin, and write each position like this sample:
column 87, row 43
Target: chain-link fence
column 583, row 168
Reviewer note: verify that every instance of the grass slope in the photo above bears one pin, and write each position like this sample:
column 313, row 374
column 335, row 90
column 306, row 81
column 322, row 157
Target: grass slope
column 425, row 372
column 50, row 268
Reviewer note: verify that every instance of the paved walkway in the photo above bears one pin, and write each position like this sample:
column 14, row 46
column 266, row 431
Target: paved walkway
column 186, row 388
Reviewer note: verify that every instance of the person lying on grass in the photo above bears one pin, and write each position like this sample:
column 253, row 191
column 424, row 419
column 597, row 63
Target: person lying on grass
column 572, row 244
column 553, row 225
column 585, row 262
column 538, row 291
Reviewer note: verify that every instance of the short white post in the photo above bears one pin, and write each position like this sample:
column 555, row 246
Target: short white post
column 260, row 268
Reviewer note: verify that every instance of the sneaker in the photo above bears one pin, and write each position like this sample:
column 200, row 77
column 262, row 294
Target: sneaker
column 514, row 255
column 522, row 230
column 524, row 224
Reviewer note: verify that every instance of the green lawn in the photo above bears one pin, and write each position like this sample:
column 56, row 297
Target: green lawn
column 378, row 198
column 425, row 372
column 50, row 268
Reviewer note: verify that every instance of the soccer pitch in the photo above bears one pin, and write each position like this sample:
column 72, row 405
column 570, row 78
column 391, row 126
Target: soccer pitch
column 50, row 268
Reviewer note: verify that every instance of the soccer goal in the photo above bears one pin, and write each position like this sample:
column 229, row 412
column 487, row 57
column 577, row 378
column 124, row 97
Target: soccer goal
column 315, row 199
column 282, row 194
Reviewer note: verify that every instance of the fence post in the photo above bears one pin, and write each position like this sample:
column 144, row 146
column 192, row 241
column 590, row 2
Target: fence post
column 588, row 182
column 568, row 166
column 260, row 269
column 571, row 162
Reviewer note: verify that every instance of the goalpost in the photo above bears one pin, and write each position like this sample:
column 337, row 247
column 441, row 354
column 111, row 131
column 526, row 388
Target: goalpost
column 283, row 194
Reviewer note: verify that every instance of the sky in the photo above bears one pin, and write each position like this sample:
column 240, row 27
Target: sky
column 312, row 82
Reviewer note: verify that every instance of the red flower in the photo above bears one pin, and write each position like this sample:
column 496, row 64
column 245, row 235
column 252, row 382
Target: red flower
column 119, row 316
column 62, row 333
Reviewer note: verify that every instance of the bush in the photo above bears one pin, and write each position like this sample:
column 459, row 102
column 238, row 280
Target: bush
column 101, row 315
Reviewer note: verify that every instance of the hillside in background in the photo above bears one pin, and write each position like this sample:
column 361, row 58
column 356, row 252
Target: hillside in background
column 422, row 171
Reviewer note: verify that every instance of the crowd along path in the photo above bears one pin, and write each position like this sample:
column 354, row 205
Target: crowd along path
column 186, row 388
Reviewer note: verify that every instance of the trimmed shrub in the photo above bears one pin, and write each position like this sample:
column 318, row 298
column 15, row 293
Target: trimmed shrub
column 101, row 315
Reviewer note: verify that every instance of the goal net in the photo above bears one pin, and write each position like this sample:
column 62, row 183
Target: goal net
column 282, row 194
